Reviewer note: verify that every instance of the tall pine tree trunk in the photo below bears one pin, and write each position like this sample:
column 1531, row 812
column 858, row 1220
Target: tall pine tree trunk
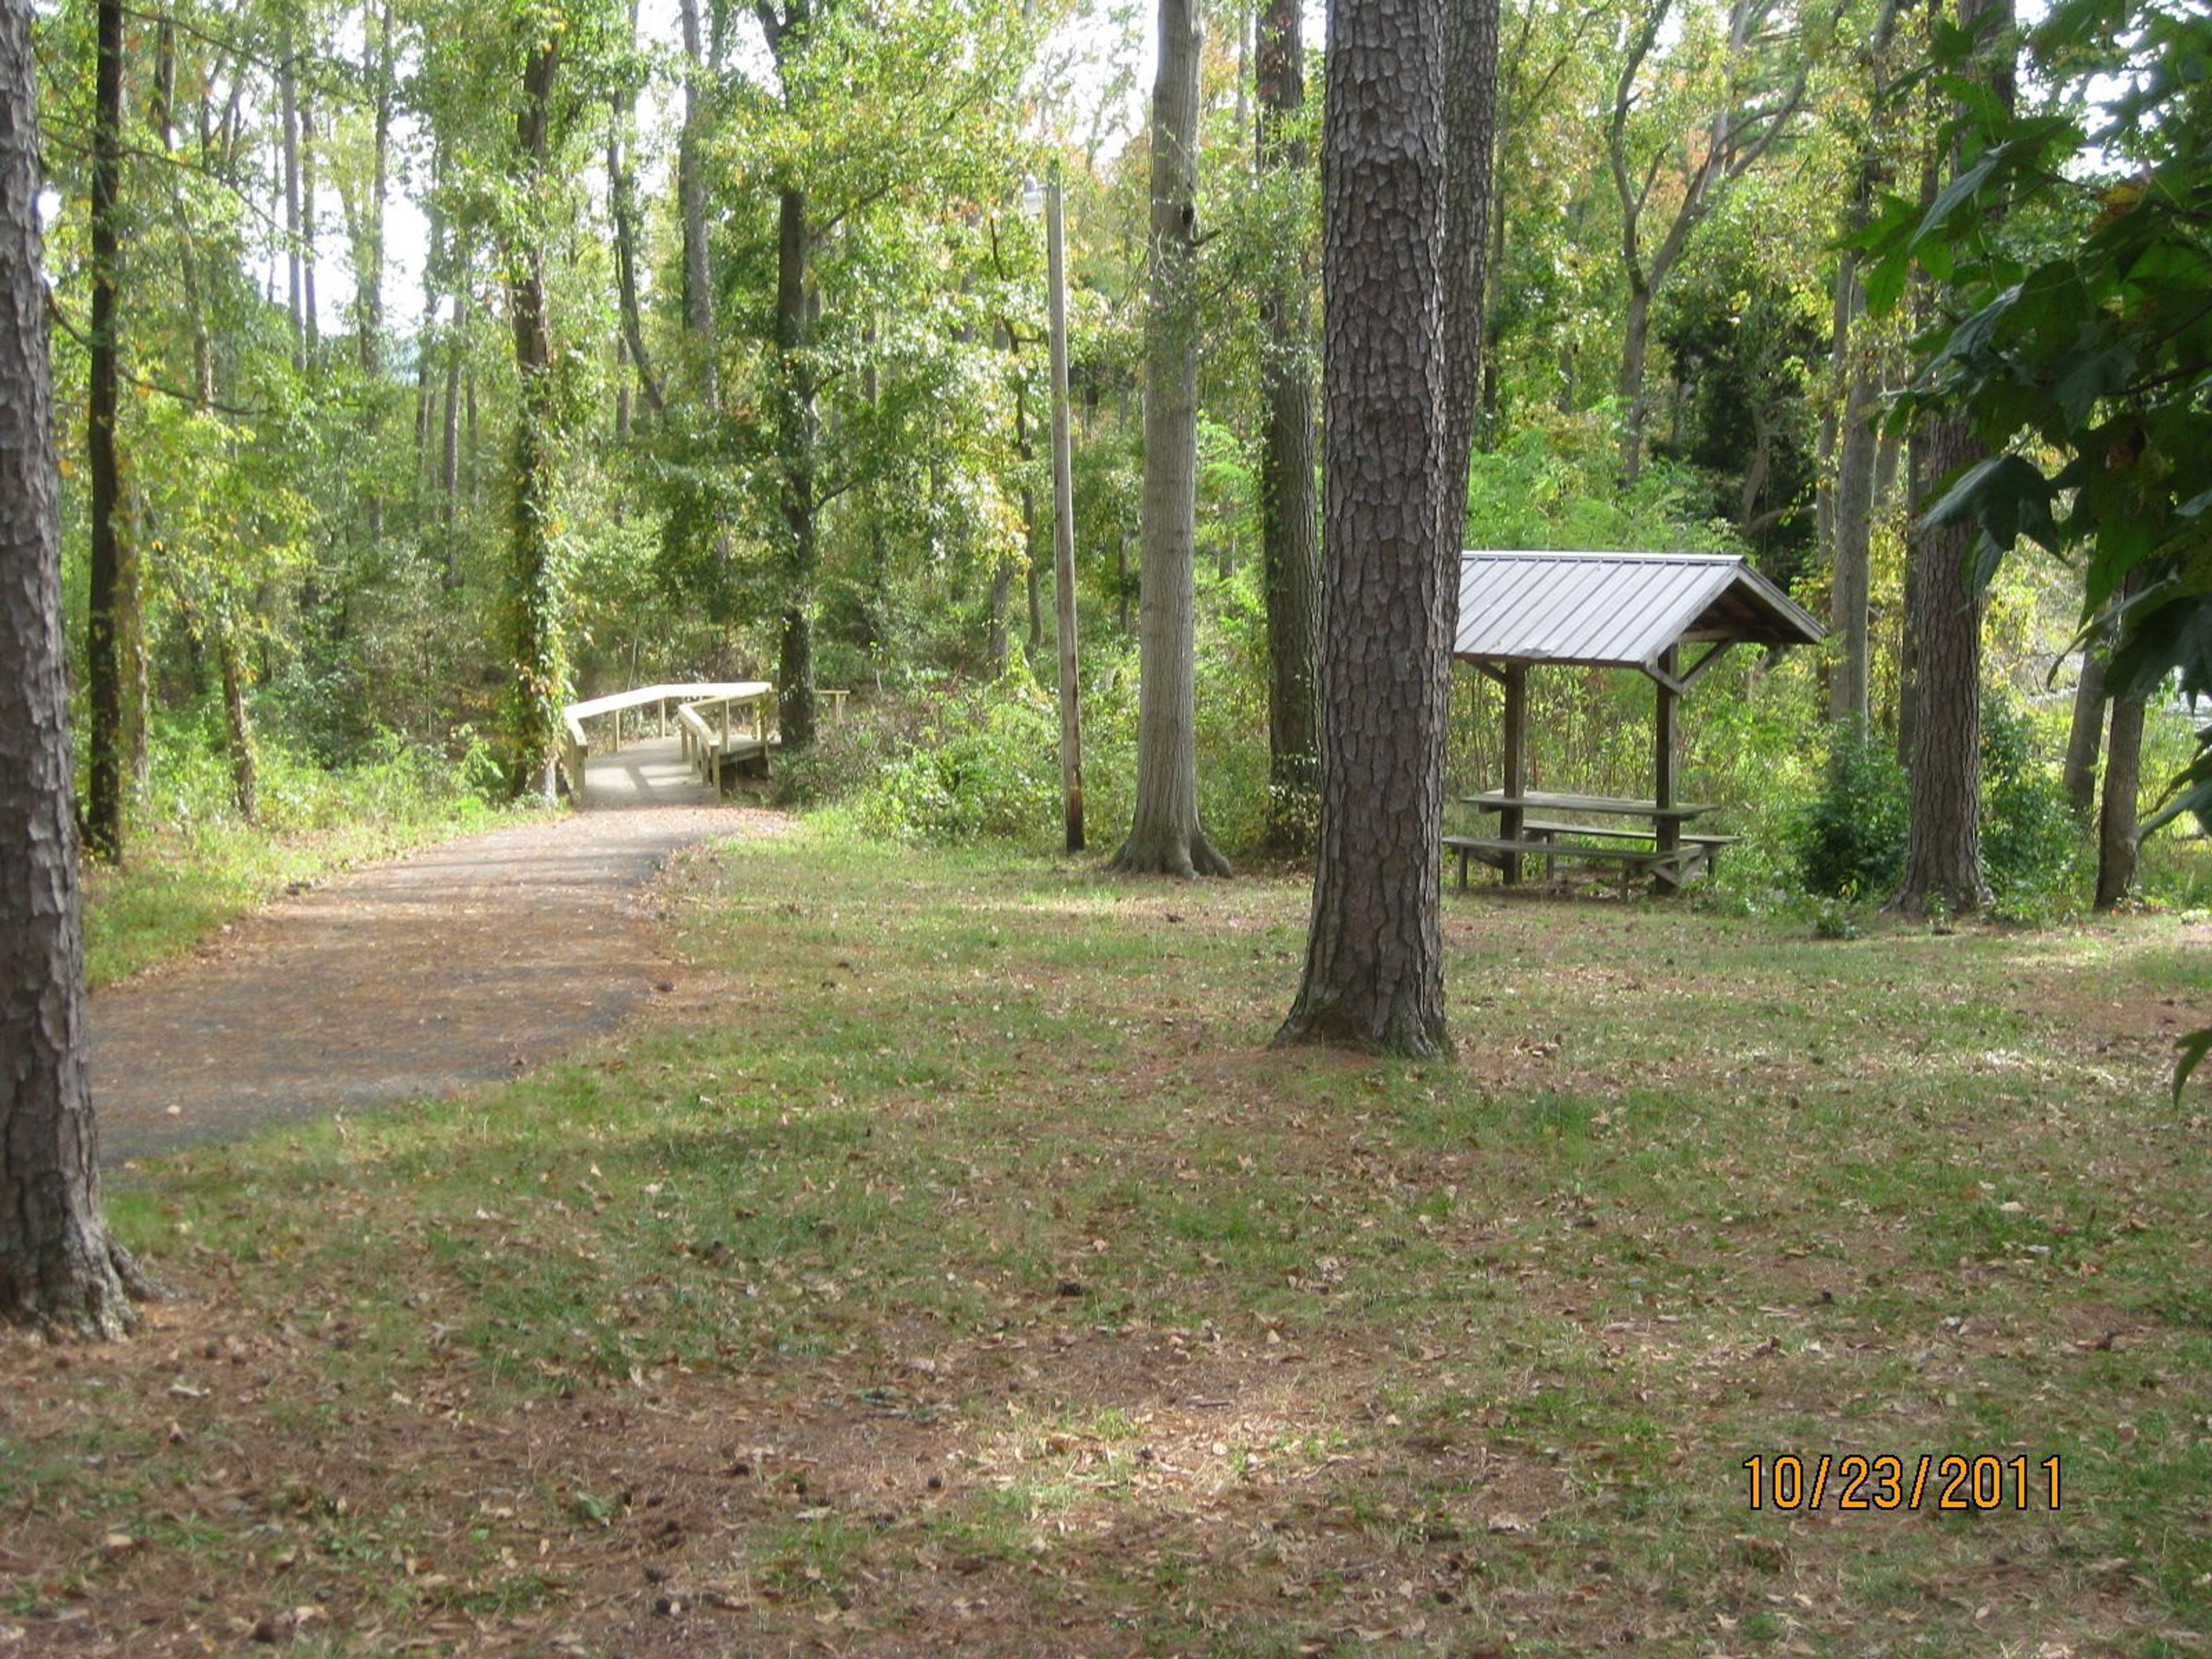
column 58, row 1265
column 1397, row 295
column 104, row 676
column 1290, row 534
column 1165, row 837
column 1943, row 846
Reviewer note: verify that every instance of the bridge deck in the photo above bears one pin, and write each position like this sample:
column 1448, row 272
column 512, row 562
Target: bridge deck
column 650, row 772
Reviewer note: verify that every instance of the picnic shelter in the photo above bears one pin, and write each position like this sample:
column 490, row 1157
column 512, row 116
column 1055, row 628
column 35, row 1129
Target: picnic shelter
column 1669, row 617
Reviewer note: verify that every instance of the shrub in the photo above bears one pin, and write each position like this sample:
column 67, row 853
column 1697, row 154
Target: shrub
column 1849, row 840
column 2031, row 848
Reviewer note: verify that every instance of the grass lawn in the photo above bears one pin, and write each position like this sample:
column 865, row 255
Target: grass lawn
column 948, row 1266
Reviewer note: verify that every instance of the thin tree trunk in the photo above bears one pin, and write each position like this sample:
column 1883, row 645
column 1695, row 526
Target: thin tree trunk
column 621, row 197
column 104, row 820
column 1374, row 969
column 1165, row 837
column 2085, row 737
column 433, row 272
column 311, row 310
column 533, row 604
column 368, row 296
column 795, row 437
column 2116, row 823
column 691, row 198
column 238, row 724
column 287, row 94
column 1852, row 547
column 1290, row 534
column 449, row 459
column 1635, row 398
column 59, row 1266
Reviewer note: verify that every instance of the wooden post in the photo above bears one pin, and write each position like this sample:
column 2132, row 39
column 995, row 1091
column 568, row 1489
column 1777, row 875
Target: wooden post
column 1063, row 524
column 664, row 717
column 1667, row 828
column 1516, row 735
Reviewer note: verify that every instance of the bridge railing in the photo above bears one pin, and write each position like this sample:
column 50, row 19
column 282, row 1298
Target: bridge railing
column 576, row 748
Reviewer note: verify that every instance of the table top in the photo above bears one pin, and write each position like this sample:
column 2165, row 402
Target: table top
column 1496, row 800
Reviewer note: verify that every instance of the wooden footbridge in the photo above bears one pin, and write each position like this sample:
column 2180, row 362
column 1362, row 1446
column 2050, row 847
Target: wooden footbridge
column 718, row 726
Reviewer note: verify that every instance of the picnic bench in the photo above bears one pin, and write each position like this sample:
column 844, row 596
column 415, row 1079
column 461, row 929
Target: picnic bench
column 1663, row 851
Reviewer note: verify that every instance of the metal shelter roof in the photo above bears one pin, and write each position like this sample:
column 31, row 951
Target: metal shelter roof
column 1617, row 609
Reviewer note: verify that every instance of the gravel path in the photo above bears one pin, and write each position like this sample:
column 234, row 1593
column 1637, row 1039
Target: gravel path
column 466, row 961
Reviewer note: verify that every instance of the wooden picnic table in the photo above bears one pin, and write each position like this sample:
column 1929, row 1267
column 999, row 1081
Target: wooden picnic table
column 1661, row 850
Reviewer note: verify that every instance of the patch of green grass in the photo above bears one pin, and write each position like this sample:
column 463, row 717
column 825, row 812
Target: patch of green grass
column 981, row 1170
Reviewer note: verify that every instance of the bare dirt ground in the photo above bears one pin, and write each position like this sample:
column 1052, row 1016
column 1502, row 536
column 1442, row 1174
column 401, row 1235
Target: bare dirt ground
column 470, row 960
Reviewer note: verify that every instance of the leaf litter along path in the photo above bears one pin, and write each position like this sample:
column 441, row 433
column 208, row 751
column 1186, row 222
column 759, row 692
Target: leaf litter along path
column 465, row 962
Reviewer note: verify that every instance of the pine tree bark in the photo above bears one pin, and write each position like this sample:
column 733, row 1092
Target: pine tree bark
column 59, row 1266
column 1374, row 968
column 104, row 665
column 1290, row 532
column 1165, row 837
column 1943, row 846
column 1470, row 145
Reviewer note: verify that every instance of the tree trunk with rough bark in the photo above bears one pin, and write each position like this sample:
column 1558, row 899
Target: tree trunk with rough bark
column 59, row 1268
column 1943, row 845
column 1165, row 837
column 1470, row 145
column 1374, row 969
column 104, row 665
column 1290, row 532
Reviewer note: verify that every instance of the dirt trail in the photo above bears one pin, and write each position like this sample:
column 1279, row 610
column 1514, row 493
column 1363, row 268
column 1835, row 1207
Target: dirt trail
column 467, row 961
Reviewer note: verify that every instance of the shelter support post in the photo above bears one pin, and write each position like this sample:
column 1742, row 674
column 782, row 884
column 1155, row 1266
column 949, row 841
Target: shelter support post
column 1668, row 827
column 1517, row 749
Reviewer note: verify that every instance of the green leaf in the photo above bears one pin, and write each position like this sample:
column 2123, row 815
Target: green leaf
column 2084, row 377
column 2192, row 1049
